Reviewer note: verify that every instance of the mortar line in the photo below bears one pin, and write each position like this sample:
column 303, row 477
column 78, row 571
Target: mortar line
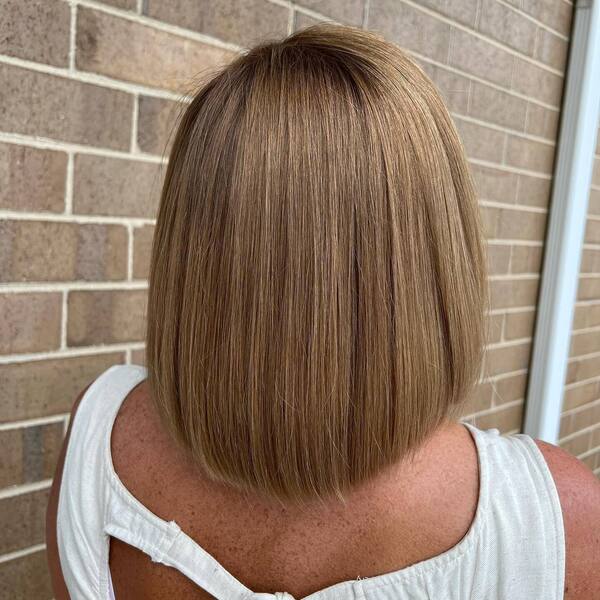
column 50, row 144
column 93, row 78
column 37, row 422
column 22, row 553
column 74, row 218
column 71, row 352
column 513, row 206
column 121, row 85
column 579, row 432
column 70, row 286
column 25, row 488
column 529, row 17
column 147, row 21
column 72, row 35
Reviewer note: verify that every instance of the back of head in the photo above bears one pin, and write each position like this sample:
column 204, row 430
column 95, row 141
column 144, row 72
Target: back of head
column 317, row 283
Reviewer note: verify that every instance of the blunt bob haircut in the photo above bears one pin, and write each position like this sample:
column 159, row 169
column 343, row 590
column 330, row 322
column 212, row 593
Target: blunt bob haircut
column 317, row 288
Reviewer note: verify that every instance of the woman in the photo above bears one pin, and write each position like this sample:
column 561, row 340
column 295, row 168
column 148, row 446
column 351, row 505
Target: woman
column 316, row 315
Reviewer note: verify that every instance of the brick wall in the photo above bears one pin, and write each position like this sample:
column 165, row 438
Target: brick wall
column 580, row 421
column 89, row 92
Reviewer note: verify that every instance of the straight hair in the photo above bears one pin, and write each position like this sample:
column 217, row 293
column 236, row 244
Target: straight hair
column 317, row 288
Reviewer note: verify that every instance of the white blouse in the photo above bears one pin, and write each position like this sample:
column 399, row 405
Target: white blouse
column 514, row 549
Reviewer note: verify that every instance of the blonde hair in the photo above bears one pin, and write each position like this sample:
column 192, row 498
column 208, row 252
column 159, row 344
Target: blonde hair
column 317, row 288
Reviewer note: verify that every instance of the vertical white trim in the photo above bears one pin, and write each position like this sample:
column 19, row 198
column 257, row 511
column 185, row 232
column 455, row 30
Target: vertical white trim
column 566, row 228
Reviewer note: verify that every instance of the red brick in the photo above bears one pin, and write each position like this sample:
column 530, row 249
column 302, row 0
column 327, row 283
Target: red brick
column 30, row 322
column 36, row 30
column 519, row 325
column 41, row 388
column 586, row 416
column 22, row 520
column 116, row 187
column 142, row 248
column 410, row 28
column 478, row 57
column 106, row 316
column 479, row 399
column 25, row 578
column 584, row 342
column 483, row 143
column 59, row 251
column 588, row 288
column 534, row 81
column 453, row 87
column 301, row 20
column 507, row 26
column 511, row 224
column 495, row 324
column 582, row 368
column 525, row 259
column 530, row 154
column 43, row 105
column 533, row 191
column 509, row 389
column 578, row 444
column 349, row 11
column 551, row 49
column 124, row 4
column 507, row 358
column 138, row 357
column 32, row 179
column 130, row 51
column 495, row 184
column 556, row 15
column 157, row 120
column 586, row 315
column 497, row 107
column 463, row 11
column 243, row 23
column 512, row 293
column 30, row 453
column 507, row 419
column 542, row 121
column 579, row 395
column 498, row 258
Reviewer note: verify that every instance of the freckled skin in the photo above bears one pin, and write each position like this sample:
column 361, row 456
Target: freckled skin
column 408, row 513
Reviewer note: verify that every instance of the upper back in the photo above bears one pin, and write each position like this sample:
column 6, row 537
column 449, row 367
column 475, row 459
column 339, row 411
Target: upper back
column 463, row 519
column 301, row 550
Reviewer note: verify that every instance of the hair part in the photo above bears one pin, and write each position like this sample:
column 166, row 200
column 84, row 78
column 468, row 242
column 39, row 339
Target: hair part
column 317, row 288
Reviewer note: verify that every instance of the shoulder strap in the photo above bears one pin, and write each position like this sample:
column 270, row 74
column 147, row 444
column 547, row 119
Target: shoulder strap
column 82, row 501
column 165, row 542
column 525, row 518
column 127, row 519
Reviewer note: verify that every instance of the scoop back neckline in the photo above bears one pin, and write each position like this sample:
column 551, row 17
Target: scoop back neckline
column 360, row 586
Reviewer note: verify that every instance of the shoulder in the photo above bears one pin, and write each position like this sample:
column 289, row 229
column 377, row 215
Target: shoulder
column 579, row 493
